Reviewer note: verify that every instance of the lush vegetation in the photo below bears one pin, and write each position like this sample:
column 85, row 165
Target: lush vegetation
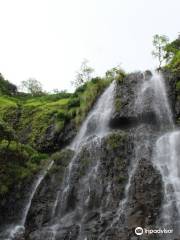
column 173, row 56
column 167, row 52
column 31, row 117
column 18, row 163
column 159, row 52
column 28, row 121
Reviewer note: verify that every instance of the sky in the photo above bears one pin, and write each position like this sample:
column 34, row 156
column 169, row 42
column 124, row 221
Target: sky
column 48, row 39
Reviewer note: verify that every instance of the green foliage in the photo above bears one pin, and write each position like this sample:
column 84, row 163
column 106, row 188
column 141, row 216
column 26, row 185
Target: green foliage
column 80, row 89
column 63, row 157
column 172, row 49
column 32, row 116
column 32, row 86
column 178, row 86
column 173, row 56
column 116, row 73
column 6, row 132
column 73, row 102
column 115, row 139
column 59, row 126
column 84, row 74
column 174, row 64
column 29, row 119
column 62, row 115
column 18, row 163
column 117, row 105
column 88, row 97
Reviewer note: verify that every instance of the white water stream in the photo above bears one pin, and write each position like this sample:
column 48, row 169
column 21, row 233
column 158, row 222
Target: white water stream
column 167, row 156
column 93, row 128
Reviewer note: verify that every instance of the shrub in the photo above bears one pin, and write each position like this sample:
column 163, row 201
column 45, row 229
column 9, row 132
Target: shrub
column 74, row 102
column 62, row 115
column 81, row 89
column 117, row 105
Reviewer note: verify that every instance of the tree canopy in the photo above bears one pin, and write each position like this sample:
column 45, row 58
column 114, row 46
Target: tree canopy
column 84, row 74
column 32, row 86
column 160, row 42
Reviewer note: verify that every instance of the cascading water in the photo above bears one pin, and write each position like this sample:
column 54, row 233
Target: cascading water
column 153, row 90
column 92, row 130
column 167, row 160
column 166, row 156
column 97, row 120
column 17, row 230
column 150, row 98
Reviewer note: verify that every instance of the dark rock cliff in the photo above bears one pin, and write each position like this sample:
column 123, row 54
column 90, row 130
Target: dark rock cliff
column 123, row 156
column 111, row 175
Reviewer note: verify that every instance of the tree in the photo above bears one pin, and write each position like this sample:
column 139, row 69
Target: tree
column 32, row 86
column 172, row 49
column 84, row 74
column 116, row 73
column 159, row 43
column 173, row 56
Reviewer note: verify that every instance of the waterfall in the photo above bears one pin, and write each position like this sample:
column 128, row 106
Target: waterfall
column 167, row 160
column 18, row 229
column 92, row 130
column 153, row 90
column 152, row 96
column 97, row 120
column 159, row 136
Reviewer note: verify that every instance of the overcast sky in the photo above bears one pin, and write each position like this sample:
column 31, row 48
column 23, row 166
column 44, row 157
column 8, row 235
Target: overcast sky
column 48, row 39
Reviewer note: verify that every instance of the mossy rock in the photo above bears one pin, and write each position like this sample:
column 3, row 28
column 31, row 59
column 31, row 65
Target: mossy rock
column 63, row 157
column 85, row 163
column 117, row 104
column 178, row 87
column 115, row 139
column 18, row 163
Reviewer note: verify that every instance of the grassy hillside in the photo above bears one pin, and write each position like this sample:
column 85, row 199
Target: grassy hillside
column 32, row 125
column 36, row 119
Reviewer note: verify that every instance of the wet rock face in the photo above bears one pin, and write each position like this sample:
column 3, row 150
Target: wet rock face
column 127, row 111
column 11, row 204
column 96, row 186
column 145, row 195
column 173, row 93
column 99, row 178
column 41, row 210
column 96, row 189
column 53, row 141
column 125, row 97
column 101, row 173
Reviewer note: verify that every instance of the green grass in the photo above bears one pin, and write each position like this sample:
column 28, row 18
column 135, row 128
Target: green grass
column 31, row 117
column 7, row 101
